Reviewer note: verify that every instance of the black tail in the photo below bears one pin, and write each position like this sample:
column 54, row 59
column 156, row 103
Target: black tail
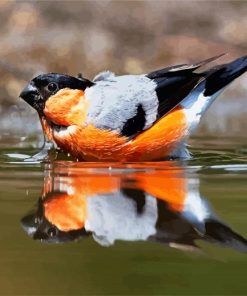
column 224, row 235
column 222, row 75
column 173, row 84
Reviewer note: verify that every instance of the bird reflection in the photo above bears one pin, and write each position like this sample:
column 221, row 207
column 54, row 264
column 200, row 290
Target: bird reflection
column 131, row 203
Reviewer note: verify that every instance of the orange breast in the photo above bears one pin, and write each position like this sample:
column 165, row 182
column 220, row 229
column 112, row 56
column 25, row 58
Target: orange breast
column 93, row 144
column 67, row 107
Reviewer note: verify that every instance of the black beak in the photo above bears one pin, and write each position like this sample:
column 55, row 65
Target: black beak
column 31, row 95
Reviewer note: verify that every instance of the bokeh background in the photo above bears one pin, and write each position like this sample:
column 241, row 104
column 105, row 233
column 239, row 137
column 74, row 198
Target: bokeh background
column 123, row 36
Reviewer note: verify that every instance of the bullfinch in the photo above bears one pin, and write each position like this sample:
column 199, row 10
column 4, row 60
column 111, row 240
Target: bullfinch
column 130, row 117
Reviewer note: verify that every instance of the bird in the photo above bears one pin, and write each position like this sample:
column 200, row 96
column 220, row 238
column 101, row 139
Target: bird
column 128, row 118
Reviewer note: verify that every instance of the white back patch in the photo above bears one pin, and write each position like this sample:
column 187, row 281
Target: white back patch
column 115, row 99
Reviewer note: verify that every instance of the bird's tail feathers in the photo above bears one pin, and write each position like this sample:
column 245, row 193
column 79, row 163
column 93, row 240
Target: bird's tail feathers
column 210, row 87
column 220, row 76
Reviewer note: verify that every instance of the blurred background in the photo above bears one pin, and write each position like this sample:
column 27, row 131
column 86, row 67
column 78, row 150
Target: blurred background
column 125, row 37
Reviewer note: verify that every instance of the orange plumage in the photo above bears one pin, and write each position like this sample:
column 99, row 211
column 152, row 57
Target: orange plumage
column 84, row 141
column 67, row 206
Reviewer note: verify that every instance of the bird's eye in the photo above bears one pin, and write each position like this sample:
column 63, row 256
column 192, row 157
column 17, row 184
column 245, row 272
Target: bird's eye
column 52, row 87
column 52, row 231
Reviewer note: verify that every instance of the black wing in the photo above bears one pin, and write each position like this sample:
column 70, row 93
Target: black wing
column 175, row 83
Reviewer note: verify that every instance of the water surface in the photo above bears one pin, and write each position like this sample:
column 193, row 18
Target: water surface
column 144, row 228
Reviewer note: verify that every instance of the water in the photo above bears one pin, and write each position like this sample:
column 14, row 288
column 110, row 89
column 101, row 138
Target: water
column 145, row 228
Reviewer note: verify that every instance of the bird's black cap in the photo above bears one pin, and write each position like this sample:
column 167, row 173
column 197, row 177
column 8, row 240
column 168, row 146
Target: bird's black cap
column 43, row 86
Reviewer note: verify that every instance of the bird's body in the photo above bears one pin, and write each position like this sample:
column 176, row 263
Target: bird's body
column 88, row 141
column 130, row 117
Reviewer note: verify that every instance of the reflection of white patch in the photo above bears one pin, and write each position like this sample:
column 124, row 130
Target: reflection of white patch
column 112, row 217
column 114, row 99
column 196, row 209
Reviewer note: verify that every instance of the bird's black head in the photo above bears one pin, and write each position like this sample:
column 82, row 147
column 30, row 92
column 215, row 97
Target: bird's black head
column 43, row 86
column 38, row 227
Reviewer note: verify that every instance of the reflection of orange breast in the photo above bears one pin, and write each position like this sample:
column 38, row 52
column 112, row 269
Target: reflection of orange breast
column 169, row 186
column 67, row 212
column 158, row 141
column 68, row 209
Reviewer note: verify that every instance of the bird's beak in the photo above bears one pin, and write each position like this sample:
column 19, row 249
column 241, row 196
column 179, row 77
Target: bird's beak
column 31, row 95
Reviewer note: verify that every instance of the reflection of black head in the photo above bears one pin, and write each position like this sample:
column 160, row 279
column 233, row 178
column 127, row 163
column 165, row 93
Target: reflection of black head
column 39, row 228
